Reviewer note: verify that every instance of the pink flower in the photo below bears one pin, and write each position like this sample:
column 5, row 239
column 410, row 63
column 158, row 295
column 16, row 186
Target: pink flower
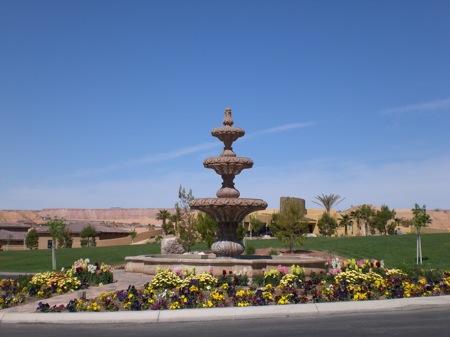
column 334, row 271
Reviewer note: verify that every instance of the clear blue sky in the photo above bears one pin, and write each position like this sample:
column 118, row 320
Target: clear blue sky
column 111, row 103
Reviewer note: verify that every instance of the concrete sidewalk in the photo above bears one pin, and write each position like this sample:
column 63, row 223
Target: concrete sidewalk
column 27, row 313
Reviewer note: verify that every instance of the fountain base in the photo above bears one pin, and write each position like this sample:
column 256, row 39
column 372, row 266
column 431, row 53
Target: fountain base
column 253, row 265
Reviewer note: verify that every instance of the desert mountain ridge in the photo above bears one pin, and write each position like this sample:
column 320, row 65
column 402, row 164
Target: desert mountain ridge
column 144, row 216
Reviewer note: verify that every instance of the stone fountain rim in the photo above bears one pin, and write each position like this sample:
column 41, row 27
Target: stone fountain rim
column 229, row 202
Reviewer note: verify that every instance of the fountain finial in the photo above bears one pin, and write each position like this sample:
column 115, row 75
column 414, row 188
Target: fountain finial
column 228, row 120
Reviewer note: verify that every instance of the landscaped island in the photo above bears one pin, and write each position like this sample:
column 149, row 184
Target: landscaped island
column 344, row 280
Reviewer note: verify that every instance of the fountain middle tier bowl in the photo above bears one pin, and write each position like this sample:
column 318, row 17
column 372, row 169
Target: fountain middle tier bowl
column 228, row 133
column 228, row 165
column 228, row 210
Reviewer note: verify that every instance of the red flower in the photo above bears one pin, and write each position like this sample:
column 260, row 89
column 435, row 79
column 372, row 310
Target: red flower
column 378, row 264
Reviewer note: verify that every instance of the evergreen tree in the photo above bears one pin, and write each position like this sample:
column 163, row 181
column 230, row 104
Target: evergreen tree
column 32, row 239
column 133, row 235
column 65, row 240
column 88, row 236
column 256, row 225
column 186, row 226
column 327, row 225
column 382, row 217
column 289, row 225
column 207, row 228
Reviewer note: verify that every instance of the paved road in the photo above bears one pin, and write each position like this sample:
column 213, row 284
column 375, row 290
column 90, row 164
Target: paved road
column 411, row 323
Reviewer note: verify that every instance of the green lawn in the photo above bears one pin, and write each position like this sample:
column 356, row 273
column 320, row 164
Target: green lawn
column 396, row 251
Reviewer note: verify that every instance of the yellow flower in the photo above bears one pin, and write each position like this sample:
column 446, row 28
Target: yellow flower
column 175, row 305
column 208, row 304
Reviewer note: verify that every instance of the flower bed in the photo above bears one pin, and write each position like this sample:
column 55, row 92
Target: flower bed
column 348, row 280
column 81, row 275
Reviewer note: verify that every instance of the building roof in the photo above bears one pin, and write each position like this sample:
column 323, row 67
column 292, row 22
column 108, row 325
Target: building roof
column 15, row 225
column 14, row 236
column 77, row 227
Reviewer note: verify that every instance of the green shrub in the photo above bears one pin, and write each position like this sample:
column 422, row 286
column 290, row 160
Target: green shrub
column 250, row 250
column 273, row 252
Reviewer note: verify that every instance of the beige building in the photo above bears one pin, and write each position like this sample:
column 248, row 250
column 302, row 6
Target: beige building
column 312, row 216
column 12, row 235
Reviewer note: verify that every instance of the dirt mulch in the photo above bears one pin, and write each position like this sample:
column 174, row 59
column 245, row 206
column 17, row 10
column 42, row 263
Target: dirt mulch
column 298, row 253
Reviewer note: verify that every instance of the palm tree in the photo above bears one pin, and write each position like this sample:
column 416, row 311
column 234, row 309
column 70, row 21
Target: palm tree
column 328, row 201
column 356, row 215
column 366, row 213
column 346, row 220
column 163, row 215
column 176, row 218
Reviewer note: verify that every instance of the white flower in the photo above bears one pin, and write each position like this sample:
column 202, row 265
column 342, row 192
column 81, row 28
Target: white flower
column 92, row 268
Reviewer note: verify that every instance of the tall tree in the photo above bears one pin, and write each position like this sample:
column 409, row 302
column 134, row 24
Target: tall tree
column 289, row 225
column 420, row 219
column 186, row 227
column 346, row 221
column 328, row 201
column 32, row 239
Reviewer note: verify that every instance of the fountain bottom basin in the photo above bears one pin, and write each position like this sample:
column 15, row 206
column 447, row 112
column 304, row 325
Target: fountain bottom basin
column 209, row 263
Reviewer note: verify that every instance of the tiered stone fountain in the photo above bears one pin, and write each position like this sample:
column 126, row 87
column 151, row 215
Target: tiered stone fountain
column 228, row 210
